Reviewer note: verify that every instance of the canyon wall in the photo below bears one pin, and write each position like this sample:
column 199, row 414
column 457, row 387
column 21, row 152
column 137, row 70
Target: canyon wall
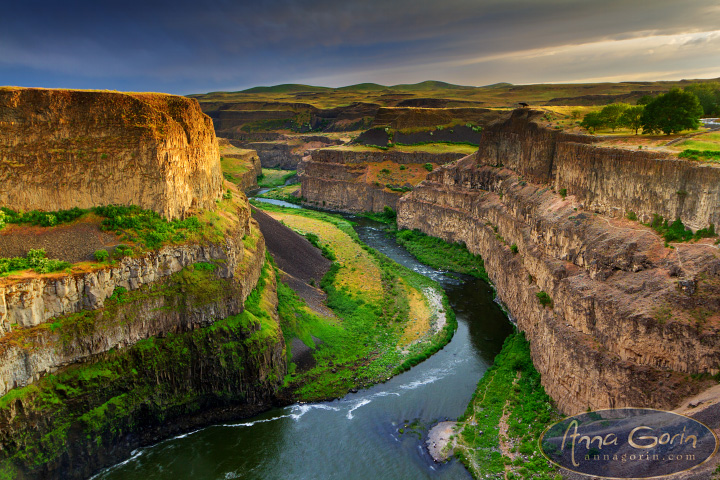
column 344, row 179
column 105, row 357
column 627, row 321
column 612, row 181
column 69, row 148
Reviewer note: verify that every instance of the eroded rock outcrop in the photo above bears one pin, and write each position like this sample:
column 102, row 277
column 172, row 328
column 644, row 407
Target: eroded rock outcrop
column 105, row 357
column 631, row 320
column 355, row 180
column 69, row 148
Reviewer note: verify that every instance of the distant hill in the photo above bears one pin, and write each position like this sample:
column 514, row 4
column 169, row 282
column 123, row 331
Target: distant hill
column 364, row 87
column 498, row 85
column 429, row 85
column 287, row 88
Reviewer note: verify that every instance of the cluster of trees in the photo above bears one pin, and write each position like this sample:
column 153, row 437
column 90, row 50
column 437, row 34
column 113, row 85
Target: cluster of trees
column 613, row 116
column 669, row 113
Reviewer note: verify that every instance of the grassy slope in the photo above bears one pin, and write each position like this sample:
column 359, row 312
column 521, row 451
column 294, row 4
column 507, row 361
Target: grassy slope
column 502, row 95
column 374, row 300
column 272, row 177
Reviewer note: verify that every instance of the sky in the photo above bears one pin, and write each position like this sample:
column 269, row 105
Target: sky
column 199, row 46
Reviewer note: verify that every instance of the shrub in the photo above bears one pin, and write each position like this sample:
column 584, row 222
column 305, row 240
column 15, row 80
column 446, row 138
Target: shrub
column 563, row 192
column 428, row 167
column 101, row 255
column 123, row 251
column 631, row 216
column 385, row 170
column 36, row 260
column 403, row 167
column 2, row 220
column 227, row 195
column 544, row 299
column 514, row 248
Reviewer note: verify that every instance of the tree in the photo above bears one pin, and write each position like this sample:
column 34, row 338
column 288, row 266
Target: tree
column 709, row 96
column 632, row 118
column 591, row 122
column 644, row 100
column 610, row 114
column 672, row 112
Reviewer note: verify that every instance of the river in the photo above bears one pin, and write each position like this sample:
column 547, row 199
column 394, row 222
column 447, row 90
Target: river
column 357, row 436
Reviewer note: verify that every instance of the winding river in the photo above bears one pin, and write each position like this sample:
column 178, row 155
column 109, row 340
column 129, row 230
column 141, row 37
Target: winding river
column 358, row 436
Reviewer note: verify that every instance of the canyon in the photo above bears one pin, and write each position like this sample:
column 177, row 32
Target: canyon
column 106, row 356
column 628, row 320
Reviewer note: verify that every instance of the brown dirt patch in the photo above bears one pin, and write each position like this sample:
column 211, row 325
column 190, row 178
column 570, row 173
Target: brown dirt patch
column 72, row 243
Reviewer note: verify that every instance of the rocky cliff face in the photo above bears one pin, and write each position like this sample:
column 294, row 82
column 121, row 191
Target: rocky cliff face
column 605, row 180
column 204, row 369
column 630, row 319
column 343, row 179
column 68, row 148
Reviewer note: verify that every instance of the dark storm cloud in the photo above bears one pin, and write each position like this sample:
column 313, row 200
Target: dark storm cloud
column 187, row 46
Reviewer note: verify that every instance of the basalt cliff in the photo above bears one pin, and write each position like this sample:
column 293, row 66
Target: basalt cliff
column 107, row 356
column 615, row 316
column 70, row 148
column 365, row 179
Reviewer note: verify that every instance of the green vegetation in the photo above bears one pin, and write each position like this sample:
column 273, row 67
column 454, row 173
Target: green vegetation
column 388, row 215
column 146, row 226
column 514, row 248
column 95, row 404
column 440, row 254
column 428, row 167
column 101, row 255
column 563, row 192
column 43, row 219
column 677, row 231
column 272, row 177
column 701, row 155
column 614, row 116
column 632, row 118
column 286, row 194
column 708, row 94
column 509, row 390
column 35, row 260
column 364, row 344
column 672, row 112
column 544, row 299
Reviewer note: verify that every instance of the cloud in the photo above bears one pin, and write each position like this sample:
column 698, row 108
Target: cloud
column 187, row 46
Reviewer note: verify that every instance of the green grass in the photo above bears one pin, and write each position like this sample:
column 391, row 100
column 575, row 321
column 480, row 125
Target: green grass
column 362, row 346
column 35, row 260
column 701, row 155
column 284, row 193
column 511, row 386
column 146, row 226
column 440, row 254
column 272, row 178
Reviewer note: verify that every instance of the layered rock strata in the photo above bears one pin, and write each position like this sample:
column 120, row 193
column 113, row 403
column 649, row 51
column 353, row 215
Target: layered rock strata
column 69, row 148
column 627, row 321
column 340, row 178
